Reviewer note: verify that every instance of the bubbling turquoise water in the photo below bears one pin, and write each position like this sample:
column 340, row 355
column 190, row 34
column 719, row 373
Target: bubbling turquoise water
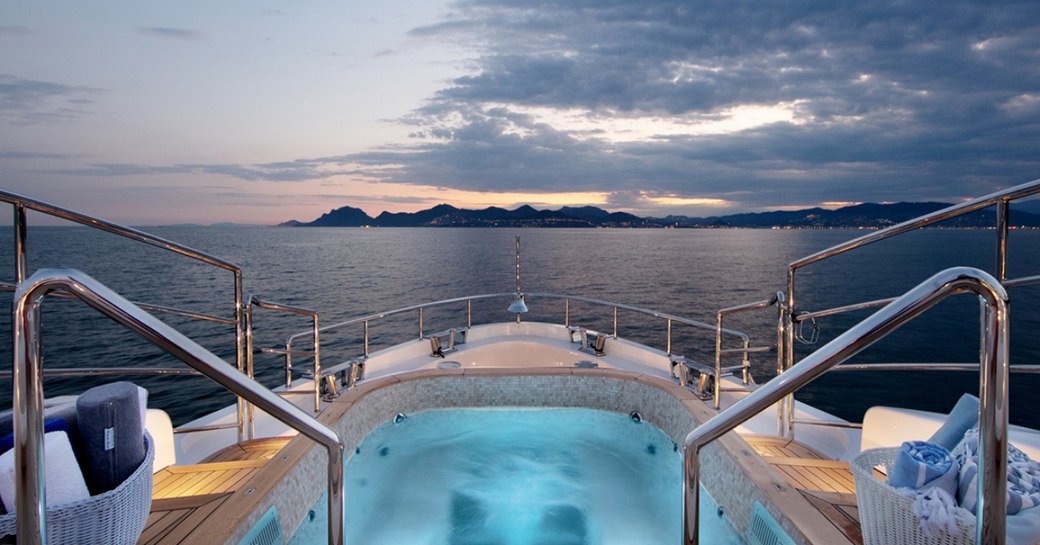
column 515, row 477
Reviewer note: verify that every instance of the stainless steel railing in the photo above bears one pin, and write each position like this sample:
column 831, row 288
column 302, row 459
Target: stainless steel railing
column 1001, row 200
column 28, row 391
column 287, row 353
column 22, row 205
column 745, row 351
column 669, row 319
column 993, row 391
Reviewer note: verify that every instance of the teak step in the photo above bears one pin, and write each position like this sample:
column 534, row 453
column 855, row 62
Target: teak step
column 173, row 520
column 184, row 496
column 254, row 449
column 770, row 445
column 827, row 484
column 815, row 474
column 197, row 479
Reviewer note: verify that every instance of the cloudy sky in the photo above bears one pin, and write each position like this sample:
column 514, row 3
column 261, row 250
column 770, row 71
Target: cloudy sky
column 256, row 112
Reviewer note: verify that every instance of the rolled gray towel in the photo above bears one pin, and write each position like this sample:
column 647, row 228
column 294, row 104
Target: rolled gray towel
column 111, row 434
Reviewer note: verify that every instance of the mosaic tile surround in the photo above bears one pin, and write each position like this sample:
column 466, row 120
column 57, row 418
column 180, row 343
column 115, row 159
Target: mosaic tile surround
column 728, row 471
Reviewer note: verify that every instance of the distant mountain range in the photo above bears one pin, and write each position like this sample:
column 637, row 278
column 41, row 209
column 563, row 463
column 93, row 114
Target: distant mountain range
column 868, row 215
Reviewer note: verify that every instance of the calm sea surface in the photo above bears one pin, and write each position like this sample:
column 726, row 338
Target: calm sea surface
column 343, row 273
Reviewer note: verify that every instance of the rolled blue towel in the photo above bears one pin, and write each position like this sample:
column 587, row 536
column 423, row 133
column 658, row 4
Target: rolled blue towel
column 962, row 417
column 920, row 464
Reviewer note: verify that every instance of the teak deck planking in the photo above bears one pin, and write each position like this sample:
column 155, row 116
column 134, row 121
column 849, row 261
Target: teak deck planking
column 185, row 496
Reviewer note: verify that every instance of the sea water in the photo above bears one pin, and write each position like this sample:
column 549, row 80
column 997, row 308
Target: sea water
column 347, row 272
column 515, row 477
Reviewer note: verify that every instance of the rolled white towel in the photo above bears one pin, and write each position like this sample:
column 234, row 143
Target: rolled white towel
column 64, row 480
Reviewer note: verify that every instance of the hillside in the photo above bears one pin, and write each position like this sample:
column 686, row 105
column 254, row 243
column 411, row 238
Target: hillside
column 867, row 215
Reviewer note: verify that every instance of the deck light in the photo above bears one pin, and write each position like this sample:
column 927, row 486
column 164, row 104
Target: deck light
column 518, row 306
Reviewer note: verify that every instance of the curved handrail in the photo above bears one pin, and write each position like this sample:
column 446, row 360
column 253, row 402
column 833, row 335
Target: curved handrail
column 978, row 203
column 778, row 300
column 669, row 318
column 28, row 391
column 993, row 404
column 1000, row 199
column 114, row 228
column 22, row 203
column 254, row 301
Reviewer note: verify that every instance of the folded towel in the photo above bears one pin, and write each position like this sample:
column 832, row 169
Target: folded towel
column 962, row 417
column 63, row 480
column 921, row 465
column 49, row 425
column 1023, row 487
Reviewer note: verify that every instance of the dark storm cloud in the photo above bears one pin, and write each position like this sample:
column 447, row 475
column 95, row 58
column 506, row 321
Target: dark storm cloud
column 888, row 101
column 924, row 100
column 25, row 102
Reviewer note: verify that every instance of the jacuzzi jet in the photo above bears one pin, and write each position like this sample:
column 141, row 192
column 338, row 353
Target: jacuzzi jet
column 400, row 418
column 635, row 416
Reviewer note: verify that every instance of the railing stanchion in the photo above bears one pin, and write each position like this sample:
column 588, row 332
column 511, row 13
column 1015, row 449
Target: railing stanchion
column 317, row 365
column 718, row 359
column 668, row 336
column 691, row 495
column 239, row 349
column 21, row 260
column 615, row 322
column 288, row 363
column 784, row 426
column 30, row 500
column 1002, row 234
column 781, row 314
column 993, row 421
column 248, row 428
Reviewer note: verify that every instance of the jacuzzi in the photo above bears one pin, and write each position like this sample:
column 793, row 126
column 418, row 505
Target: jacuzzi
column 292, row 483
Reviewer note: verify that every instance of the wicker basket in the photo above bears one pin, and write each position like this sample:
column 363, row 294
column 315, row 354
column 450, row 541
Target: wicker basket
column 887, row 518
column 116, row 517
